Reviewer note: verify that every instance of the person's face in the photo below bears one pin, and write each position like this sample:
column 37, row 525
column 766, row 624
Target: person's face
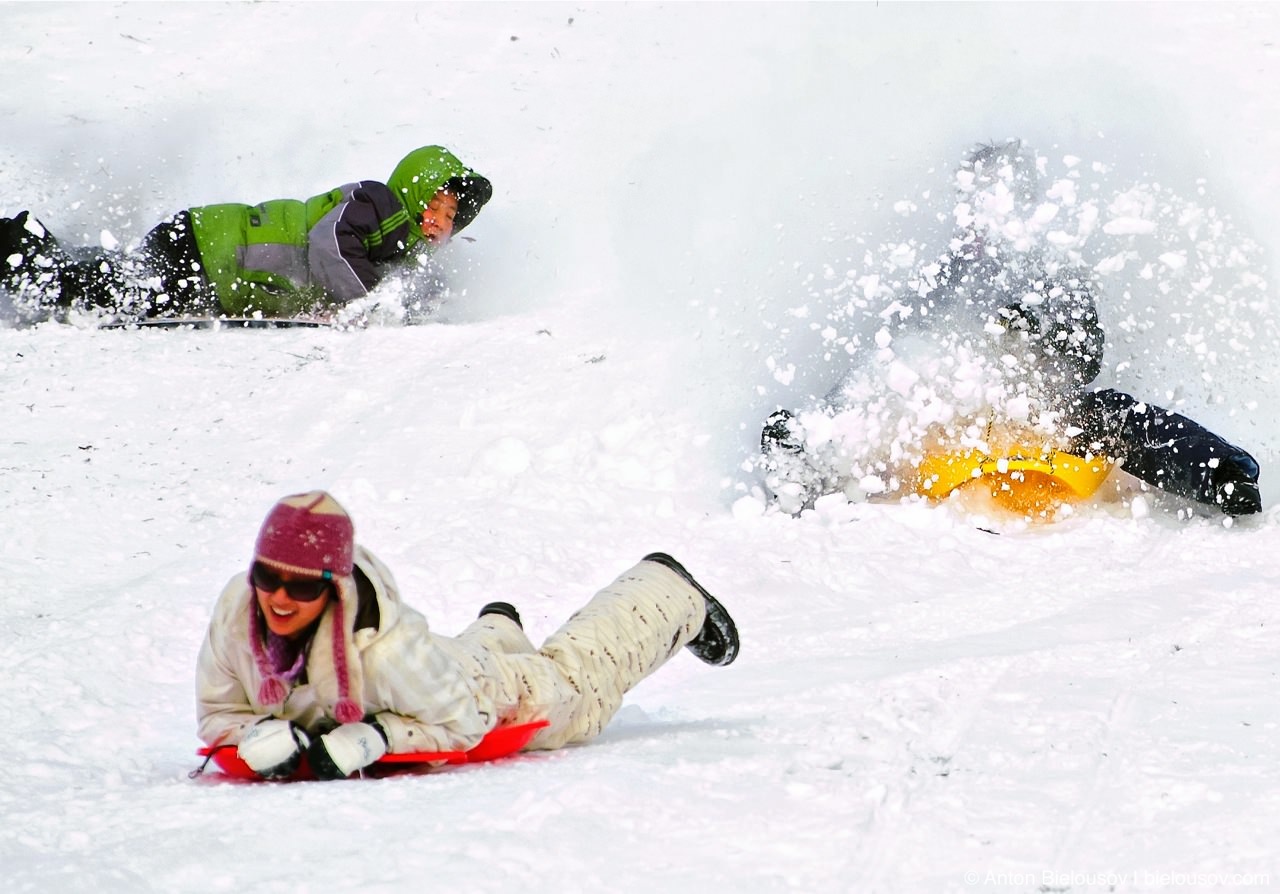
column 437, row 220
column 288, row 615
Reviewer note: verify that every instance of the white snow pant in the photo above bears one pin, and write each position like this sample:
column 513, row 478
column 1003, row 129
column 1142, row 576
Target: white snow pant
column 578, row 678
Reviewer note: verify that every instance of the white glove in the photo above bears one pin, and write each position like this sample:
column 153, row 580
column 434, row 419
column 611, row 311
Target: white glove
column 273, row 748
column 350, row 747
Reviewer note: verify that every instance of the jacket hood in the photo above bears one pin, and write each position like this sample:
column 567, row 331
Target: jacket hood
column 424, row 172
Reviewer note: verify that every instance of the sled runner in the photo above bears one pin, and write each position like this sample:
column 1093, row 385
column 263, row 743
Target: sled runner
column 223, row 323
column 500, row 742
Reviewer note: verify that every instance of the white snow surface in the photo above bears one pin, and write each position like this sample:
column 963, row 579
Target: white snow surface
column 688, row 200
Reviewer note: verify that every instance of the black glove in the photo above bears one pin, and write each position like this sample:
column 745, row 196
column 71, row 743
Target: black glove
column 273, row 748
column 348, row 748
column 782, row 433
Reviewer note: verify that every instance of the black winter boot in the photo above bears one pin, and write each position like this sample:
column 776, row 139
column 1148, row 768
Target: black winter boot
column 27, row 237
column 717, row 641
column 15, row 239
column 502, row 608
column 41, row 267
column 11, row 230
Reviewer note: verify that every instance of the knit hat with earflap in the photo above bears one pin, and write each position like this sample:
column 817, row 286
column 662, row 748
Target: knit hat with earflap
column 308, row 534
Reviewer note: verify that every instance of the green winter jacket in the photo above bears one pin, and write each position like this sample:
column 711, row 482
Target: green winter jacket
column 287, row 257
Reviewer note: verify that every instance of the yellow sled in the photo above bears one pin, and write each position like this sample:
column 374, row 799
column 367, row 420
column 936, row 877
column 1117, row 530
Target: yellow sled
column 1023, row 481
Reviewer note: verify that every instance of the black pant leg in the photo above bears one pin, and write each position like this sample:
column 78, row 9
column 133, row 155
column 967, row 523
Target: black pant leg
column 1167, row 450
column 34, row 267
column 48, row 279
column 171, row 253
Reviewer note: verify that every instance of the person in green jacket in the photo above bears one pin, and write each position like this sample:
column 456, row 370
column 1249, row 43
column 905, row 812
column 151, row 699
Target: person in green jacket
column 282, row 258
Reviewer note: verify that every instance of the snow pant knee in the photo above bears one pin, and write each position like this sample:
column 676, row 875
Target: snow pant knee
column 498, row 634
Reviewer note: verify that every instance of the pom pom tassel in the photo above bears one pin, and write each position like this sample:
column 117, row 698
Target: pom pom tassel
column 347, row 711
column 274, row 688
column 272, row 691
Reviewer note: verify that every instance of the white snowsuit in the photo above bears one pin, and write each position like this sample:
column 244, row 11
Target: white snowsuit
column 439, row 693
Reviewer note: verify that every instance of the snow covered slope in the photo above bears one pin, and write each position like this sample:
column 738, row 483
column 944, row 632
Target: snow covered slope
column 920, row 705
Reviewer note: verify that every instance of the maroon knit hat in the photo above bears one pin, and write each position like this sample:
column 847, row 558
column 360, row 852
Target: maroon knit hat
column 308, row 534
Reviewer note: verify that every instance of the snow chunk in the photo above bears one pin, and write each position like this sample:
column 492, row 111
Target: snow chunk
column 1140, row 506
column 872, row 484
column 750, row 506
column 1019, row 407
column 1044, row 213
column 903, row 256
column 1063, row 191
column 901, row 378
column 783, row 374
column 835, row 509
column 1129, row 226
column 108, row 240
column 1113, row 264
column 870, row 286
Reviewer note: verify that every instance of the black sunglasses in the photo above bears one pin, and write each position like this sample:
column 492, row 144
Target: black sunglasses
column 306, row 590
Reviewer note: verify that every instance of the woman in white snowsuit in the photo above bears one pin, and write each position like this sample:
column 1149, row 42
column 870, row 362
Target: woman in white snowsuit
column 313, row 652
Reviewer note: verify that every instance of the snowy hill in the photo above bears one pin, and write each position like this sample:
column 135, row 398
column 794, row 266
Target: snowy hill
column 679, row 192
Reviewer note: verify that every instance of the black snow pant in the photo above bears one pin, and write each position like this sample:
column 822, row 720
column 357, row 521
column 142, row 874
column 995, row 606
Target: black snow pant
column 1166, row 450
column 162, row 278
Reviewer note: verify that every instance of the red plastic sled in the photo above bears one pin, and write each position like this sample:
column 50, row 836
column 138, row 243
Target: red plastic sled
column 499, row 742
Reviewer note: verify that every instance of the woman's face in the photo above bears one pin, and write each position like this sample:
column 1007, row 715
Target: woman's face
column 286, row 616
